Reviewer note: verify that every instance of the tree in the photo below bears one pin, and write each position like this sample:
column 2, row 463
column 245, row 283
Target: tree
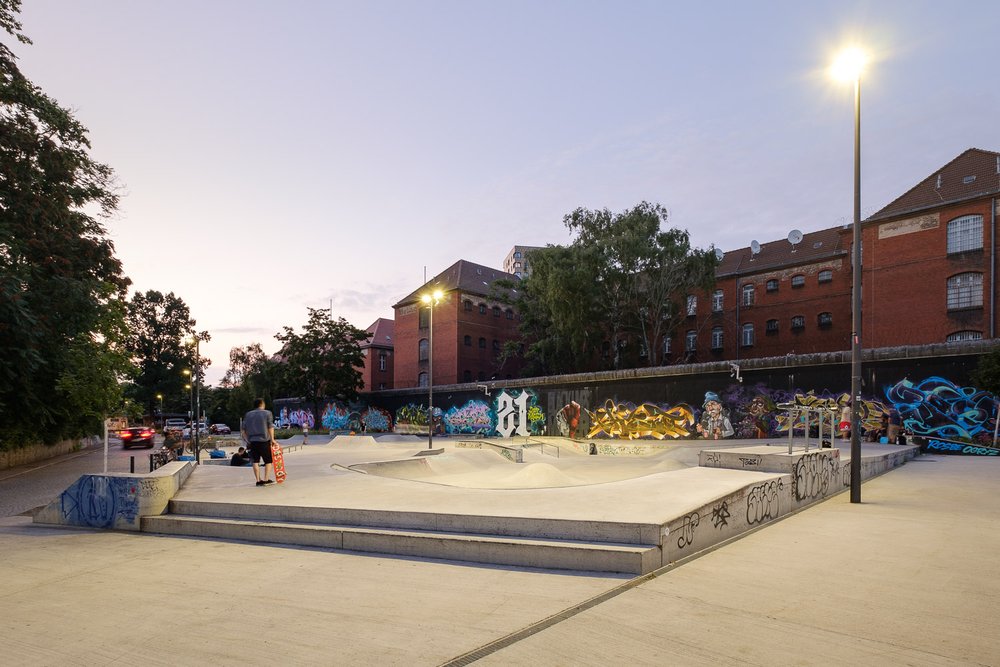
column 252, row 374
column 608, row 299
column 60, row 283
column 158, row 326
column 324, row 361
column 987, row 373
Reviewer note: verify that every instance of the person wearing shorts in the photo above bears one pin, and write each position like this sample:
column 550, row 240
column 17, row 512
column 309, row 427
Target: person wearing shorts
column 258, row 432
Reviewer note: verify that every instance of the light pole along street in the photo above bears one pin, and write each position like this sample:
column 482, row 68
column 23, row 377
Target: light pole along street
column 848, row 67
column 431, row 300
column 195, row 422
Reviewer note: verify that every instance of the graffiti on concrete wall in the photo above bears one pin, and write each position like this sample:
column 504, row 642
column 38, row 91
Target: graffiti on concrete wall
column 474, row 416
column 300, row 417
column 936, row 406
column 714, row 423
column 625, row 420
column 99, row 501
column 518, row 413
column 376, row 420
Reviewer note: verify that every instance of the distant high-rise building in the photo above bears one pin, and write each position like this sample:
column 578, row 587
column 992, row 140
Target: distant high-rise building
column 517, row 260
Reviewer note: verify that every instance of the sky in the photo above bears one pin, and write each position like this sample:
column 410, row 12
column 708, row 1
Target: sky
column 279, row 156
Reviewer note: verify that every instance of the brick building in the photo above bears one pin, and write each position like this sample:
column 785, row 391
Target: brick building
column 471, row 330
column 378, row 350
column 929, row 276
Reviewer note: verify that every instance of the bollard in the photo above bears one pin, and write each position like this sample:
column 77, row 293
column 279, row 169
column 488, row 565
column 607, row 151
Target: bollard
column 131, row 464
column 150, row 463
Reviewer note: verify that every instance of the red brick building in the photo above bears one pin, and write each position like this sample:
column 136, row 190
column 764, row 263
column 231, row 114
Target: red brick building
column 378, row 352
column 929, row 276
column 471, row 330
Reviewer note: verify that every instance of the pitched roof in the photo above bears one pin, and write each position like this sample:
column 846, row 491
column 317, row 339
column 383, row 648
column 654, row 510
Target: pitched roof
column 815, row 246
column 464, row 276
column 973, row 174
column 381, row 332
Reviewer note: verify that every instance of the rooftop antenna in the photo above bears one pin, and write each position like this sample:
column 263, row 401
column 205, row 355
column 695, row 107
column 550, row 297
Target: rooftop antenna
column 754, row 249
column 795, row 238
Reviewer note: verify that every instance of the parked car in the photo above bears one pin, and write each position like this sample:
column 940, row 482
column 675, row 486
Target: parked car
column 173, row 425
column 219, row 429
column 137, row 435
column 202, row 431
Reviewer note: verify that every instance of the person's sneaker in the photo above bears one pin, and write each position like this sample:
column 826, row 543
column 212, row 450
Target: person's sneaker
column 269, row 481
column 261, row 482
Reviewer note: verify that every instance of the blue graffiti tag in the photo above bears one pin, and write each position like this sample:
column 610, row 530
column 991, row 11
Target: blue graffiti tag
column 938, row 407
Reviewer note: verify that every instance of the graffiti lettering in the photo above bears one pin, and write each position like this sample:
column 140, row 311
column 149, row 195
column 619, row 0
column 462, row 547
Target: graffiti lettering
column 750, row 461
column 762, row 502
column 713, row 459
column 813, row 475
column 973, row 450
column 720, row 515
column 938, row 407
column 512, row 414
column 647, row 420
column 687, row 530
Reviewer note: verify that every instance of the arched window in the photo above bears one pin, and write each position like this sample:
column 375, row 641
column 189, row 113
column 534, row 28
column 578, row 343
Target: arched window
column 482, row 309
column 747, row 338
column 422, row 348
column 965, row 233
column 466, row 376
column 468, row 341
column 825, row 320
column 716, row 338
column 825, row 276
column 690, row 340
column 799, row 322
column 425, row 314
column 692, row 305
column 771, row 327
column 482, row 343
column 965, row 290
column 496, row 311
column 772, row 285
column 799, row 281
column 496, row 345
column 717, row 301
column 510, row 314
column 666, row 346
column 959, row 336
column 381, row 361
column 422, row 379
column 468, row 305
column 748, row 295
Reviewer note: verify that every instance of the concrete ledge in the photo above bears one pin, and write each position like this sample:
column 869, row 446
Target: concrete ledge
column 510, row 453
column 116, row 500
column 763, row 458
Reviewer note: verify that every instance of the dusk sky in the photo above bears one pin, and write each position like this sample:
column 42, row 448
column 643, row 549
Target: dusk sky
column 275, row 156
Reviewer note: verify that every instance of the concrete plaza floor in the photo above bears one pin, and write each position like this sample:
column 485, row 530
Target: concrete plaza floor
column 906, row 577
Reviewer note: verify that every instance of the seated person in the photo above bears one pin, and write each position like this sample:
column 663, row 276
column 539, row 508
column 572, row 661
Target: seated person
column 240, row 458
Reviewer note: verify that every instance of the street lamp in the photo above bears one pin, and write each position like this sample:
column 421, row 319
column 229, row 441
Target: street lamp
column 189, row 340
column 160, row 396
column 848, row 67
column 431, row 300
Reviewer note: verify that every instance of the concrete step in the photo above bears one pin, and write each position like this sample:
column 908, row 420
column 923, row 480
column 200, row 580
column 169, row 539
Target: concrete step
column 477, row 548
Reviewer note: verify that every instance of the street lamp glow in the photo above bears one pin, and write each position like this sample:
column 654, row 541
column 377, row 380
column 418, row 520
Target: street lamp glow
column 435, row 295
column 849, row 65
column 431, row 300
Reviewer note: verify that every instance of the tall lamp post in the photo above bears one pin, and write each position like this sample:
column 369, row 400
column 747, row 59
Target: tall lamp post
column 195, row 430
column 848, row 67
column 431, row 300
column 160, row 396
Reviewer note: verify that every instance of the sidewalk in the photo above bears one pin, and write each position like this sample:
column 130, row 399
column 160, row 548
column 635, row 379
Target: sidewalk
column 907, row 577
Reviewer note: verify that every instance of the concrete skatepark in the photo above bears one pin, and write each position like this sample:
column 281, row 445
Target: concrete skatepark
column 395, row 610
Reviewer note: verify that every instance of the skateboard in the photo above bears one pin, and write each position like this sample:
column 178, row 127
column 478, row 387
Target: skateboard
column 278, row 461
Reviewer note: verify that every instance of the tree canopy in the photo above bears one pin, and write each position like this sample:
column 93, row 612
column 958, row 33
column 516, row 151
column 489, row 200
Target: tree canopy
column 608, row 299
column 61, row 286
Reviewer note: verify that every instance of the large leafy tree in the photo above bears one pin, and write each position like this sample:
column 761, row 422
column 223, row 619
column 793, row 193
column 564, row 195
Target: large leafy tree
column 323, row 361
column 252, row 374
column 608, row 299
column 158, row 327
column 60, row 284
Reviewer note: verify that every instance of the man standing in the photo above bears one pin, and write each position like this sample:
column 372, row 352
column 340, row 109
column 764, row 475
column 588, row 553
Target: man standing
column 258, row 431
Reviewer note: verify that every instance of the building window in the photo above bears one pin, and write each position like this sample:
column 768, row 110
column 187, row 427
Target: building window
column 381, row 361
column 425, row 314
column 510, row 314
column 825, row 320
column 468, row 305
column 771, row 327
column 422, row 379
column 496, row 311
column 717, row 338
column 666, row 346
column 798, row 322
column 717, row 301
column 466, row 376
column 482, row 376
column 517, row 255
column 496, row 345
column 825, row 276
column 965, row 291
column 517, row 265
column 748, row 295
column 772, row 285
column 468, row 341
column 747, row 338
column 482, row 343
column 482, row 309
column 798, row 281
column 965, row 233
column 642, row 349
column 690, row 340
column 692, row 305
column 422, row 348
column 381, row 386
column 959, row 336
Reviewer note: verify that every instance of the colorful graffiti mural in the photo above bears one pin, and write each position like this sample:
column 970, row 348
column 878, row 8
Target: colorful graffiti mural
column 300, row 417
column 935, row 406
column 473, row 417
column 624, row 420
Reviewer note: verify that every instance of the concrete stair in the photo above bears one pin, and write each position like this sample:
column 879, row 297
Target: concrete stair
column 514, row 541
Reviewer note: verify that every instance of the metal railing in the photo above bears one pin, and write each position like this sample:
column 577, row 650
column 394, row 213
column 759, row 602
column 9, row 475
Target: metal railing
column 803, row 414
column 541, row 447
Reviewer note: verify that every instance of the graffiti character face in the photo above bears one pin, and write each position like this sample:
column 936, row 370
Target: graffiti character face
column 758, row 406
column 713, row 408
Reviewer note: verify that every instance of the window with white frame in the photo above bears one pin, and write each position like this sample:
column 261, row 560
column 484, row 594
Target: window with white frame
column 717, row 301
column 772, row 285
column 381, row 361
column 965, row 233
column 666, row 346
column 422, row 348
column 965, row 291
column 825, row 276
column 716, row 338
column 747, row 338
column 959, row 336
column 748, row 295
column 690, row 340
column 692, row 305
column 825, row 320
column 799, row 322
column 799, row 281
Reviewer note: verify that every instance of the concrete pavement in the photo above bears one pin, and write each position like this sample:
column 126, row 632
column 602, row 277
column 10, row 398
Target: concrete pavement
column 904, row 578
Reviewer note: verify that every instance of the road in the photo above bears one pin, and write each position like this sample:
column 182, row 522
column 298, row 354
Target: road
column 36, row 484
